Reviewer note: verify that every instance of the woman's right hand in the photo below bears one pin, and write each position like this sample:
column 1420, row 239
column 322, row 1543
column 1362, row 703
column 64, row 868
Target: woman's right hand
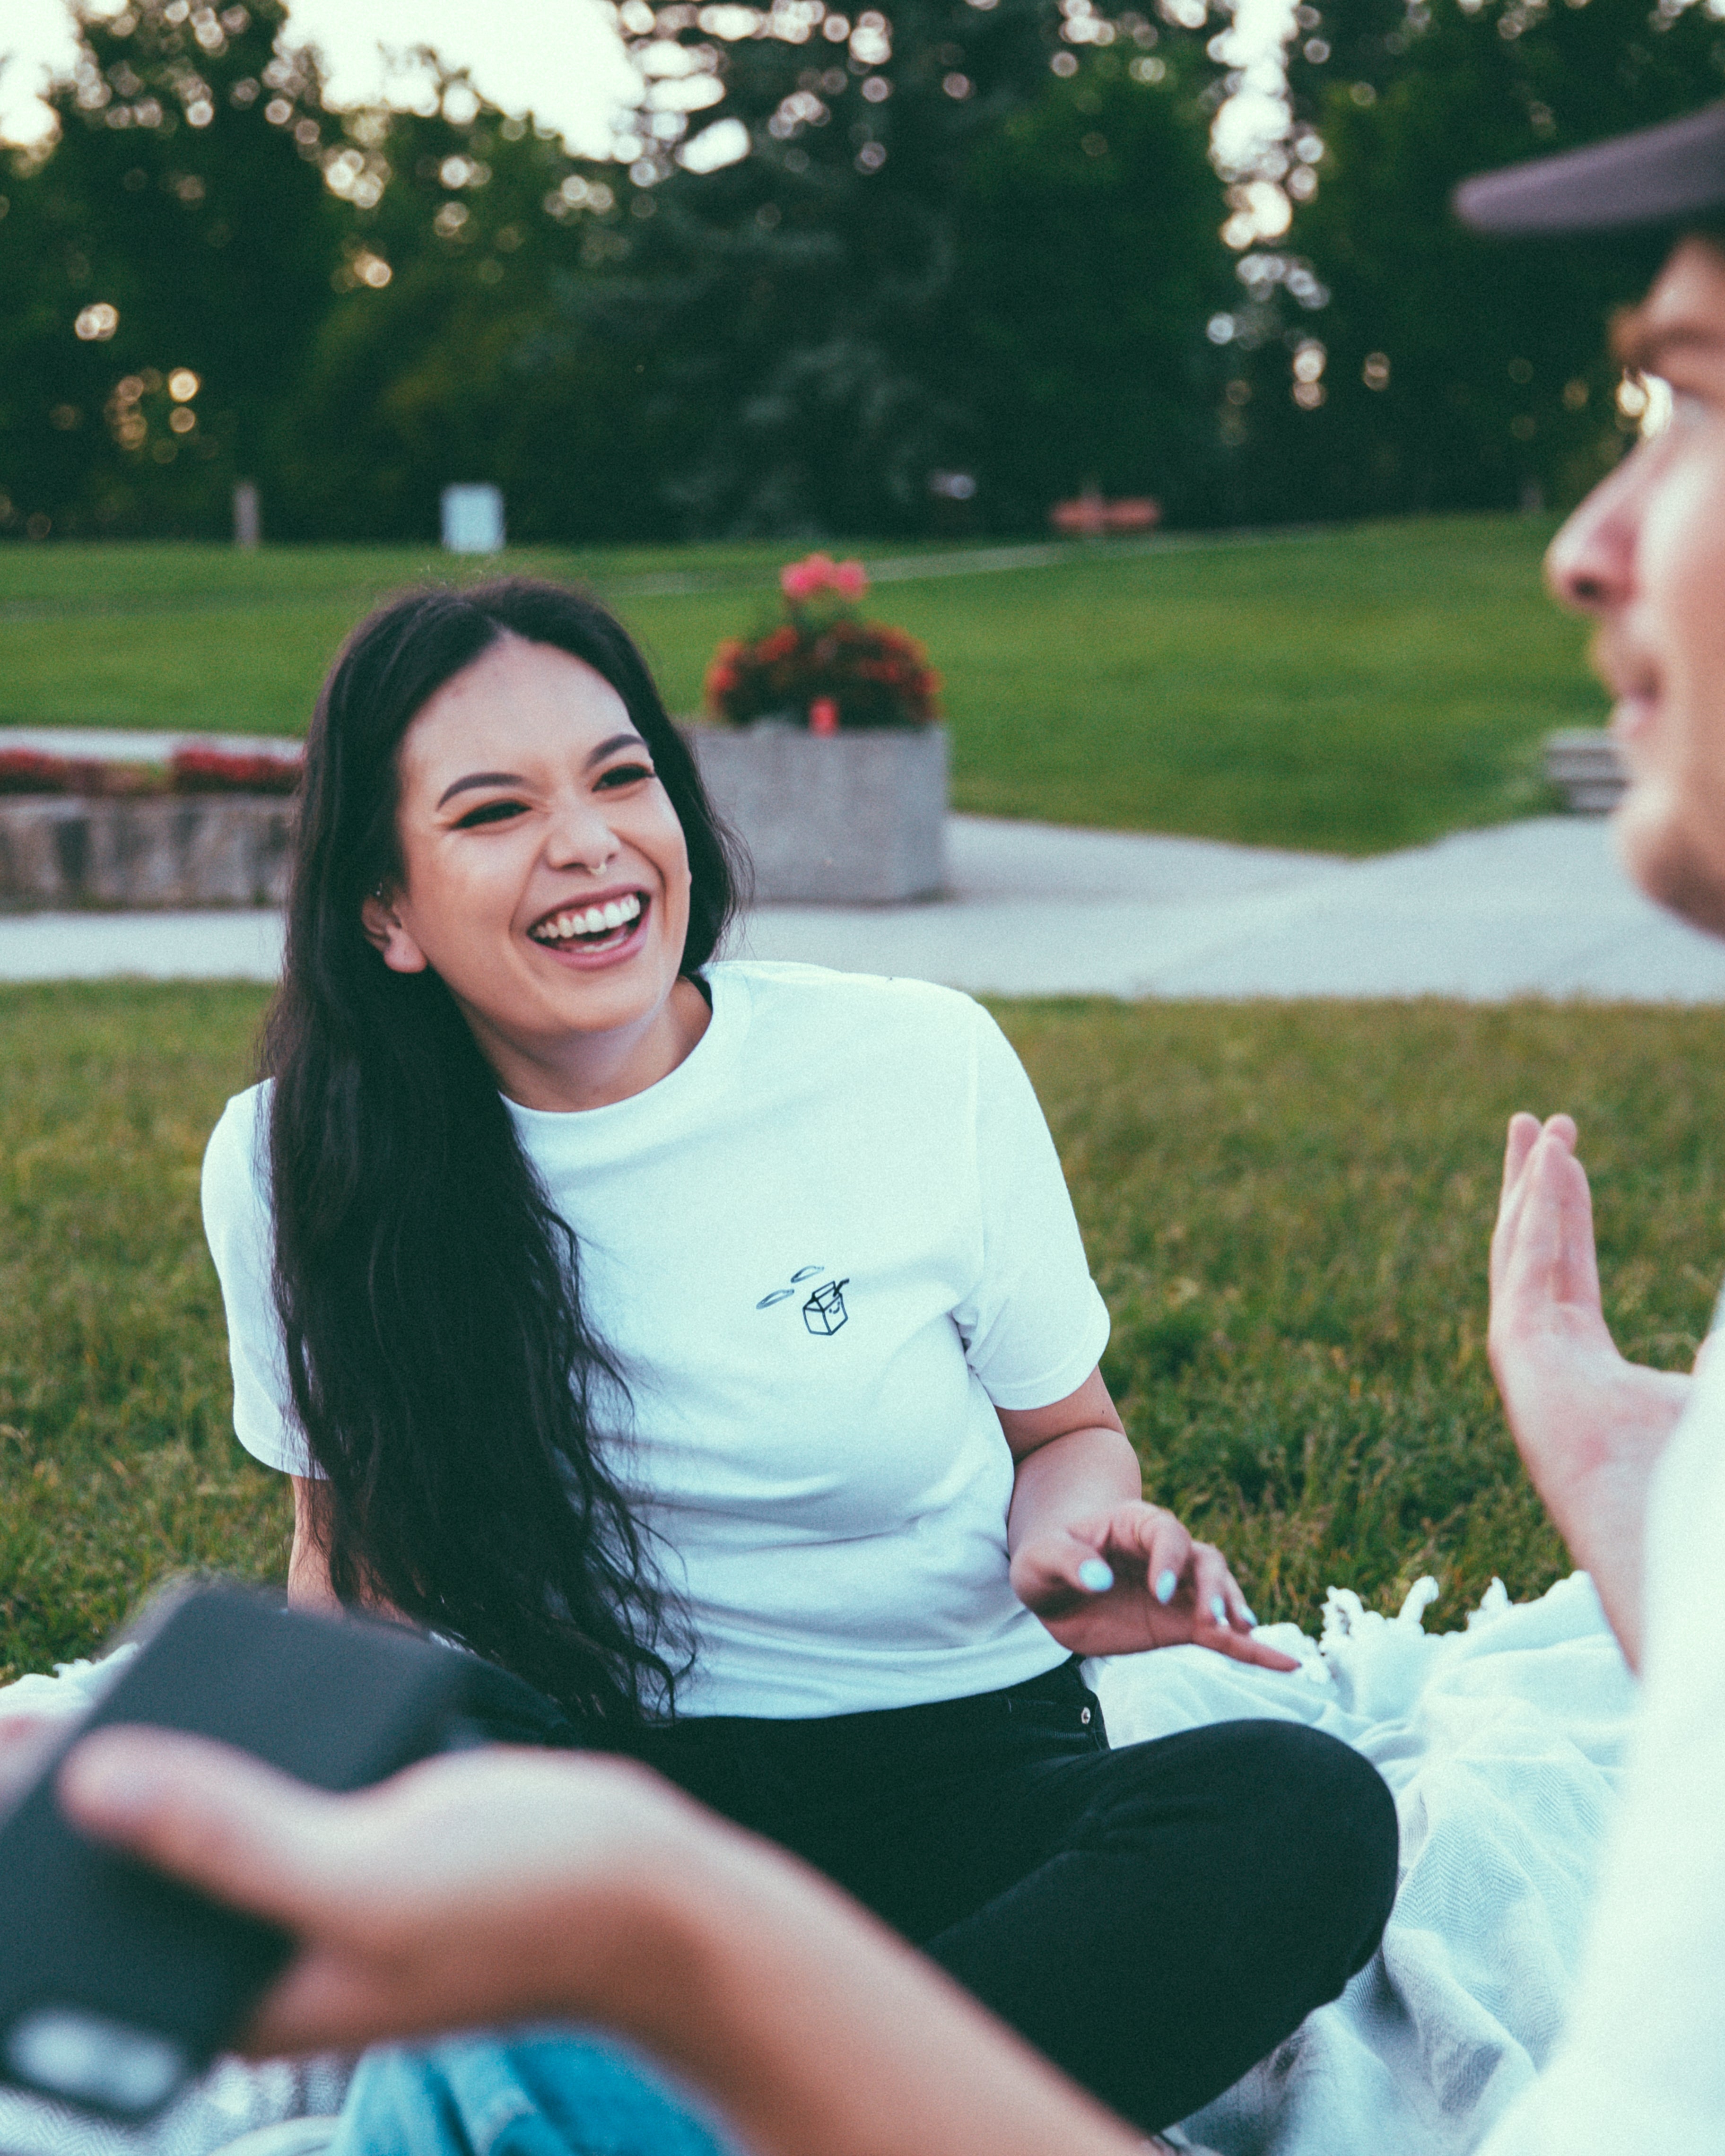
column 1132, row 1579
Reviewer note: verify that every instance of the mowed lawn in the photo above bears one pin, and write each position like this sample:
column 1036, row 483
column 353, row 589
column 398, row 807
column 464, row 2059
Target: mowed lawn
column 1348, row 691
column 1286, row 1206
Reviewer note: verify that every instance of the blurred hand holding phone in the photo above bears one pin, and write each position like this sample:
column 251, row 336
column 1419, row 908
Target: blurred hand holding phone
column 118, row 1985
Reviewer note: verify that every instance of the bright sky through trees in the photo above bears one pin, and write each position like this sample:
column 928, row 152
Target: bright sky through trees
column 558, row 58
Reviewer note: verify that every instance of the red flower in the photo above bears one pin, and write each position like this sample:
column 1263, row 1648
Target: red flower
column 866, row 674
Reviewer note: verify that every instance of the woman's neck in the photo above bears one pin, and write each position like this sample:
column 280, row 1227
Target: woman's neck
column 594, row 1070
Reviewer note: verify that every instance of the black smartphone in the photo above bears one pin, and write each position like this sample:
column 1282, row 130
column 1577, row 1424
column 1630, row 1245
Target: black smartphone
column 117, row 1985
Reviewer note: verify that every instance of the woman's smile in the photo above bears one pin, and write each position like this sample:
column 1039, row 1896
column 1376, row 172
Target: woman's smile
column 607, row 929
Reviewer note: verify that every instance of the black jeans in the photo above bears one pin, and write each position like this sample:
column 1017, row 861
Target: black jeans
column 1155, row 1919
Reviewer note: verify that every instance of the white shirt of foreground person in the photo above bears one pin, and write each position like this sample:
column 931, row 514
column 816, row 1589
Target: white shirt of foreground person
column 1642, row 2062
column 821, row 1253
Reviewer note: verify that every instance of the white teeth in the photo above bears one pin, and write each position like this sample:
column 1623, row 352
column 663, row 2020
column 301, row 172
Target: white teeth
column 595, row 921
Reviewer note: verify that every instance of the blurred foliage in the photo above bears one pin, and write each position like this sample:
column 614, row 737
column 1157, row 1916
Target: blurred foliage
column 1077, row 318
column 378, row 302
column 956, row 247
column 183, row 197
column 835, row 265
column 1460, row 371
column 1286, row 1207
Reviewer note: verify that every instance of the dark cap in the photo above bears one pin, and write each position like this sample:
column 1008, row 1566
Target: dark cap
column 1656, row 176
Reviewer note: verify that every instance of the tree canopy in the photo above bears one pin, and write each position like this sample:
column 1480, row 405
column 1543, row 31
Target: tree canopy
column 937, row 268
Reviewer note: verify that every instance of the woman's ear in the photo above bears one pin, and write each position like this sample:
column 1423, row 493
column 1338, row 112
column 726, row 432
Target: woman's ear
column 386, row 935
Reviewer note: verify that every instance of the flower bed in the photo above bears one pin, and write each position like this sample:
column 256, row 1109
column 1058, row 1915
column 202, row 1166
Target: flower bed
column 823, row 667
column 189, row 771
column 220, row 771
column 210, row 827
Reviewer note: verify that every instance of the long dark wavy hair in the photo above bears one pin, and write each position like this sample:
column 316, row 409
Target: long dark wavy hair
column 441, row 1367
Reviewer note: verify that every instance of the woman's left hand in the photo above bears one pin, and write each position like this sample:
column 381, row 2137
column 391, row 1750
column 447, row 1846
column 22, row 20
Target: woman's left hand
column 1129, row 1579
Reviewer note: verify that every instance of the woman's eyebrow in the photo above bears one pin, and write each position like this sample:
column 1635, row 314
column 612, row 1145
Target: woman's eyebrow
column 630, row 740
column 480, row 778
column 514, row 777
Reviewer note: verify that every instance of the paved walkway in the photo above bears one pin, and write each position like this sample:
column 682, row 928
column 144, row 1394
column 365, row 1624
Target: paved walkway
column 1536, row 908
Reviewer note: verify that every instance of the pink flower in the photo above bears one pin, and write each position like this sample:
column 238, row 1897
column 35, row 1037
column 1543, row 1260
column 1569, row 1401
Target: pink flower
column 801, row 580
column 820, row 572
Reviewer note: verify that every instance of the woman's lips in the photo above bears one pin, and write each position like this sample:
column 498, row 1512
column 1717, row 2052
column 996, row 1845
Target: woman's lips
column 594, row 953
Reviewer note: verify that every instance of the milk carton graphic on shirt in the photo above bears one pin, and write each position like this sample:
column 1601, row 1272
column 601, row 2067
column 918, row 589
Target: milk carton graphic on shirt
column 824, row 1310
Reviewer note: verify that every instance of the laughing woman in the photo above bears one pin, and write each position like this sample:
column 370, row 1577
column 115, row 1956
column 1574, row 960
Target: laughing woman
column 710, row 1343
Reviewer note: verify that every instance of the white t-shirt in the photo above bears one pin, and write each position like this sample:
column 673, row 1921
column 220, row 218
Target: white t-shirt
column 821, row 1252
column 1642, row 2061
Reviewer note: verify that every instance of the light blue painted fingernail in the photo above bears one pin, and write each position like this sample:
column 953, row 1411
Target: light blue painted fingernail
column 1166, row 1583
column 1250, row 1617
column 1219, row 1610
column 1097, row 1576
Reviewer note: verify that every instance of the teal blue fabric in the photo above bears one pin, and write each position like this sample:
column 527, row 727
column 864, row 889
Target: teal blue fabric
column 540, row 2092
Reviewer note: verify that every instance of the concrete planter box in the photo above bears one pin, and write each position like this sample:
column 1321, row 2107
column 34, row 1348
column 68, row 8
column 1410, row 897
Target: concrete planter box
column 855, row 819
column 58, row 850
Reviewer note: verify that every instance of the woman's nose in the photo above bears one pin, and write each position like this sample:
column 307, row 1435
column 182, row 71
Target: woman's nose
column 1590, row 565
column 580, row 837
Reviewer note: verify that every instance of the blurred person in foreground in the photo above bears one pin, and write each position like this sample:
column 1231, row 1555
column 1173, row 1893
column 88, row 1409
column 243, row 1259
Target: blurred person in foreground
column 1631, row 1462
column 501, row 1887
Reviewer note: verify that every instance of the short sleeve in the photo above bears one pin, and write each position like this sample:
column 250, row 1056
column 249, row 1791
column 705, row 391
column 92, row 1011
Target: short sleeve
column 237, row 1226
column 1035, row 1326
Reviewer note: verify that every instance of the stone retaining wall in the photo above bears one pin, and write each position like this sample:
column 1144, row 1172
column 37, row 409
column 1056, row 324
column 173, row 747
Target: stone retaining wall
column 154, row 850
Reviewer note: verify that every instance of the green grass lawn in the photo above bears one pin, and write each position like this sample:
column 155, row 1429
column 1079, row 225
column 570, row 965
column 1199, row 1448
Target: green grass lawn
column 1286, row 1206
column 1349, row 690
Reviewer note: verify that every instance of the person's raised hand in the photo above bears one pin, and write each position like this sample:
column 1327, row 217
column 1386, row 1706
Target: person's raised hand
column 1591, row 1426
column 1131, row 1578
column 479, row 1887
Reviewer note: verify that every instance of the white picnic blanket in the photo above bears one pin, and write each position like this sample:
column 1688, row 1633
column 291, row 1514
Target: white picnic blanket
column 1503, row 1744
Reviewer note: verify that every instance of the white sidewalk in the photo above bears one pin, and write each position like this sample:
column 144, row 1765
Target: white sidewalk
column 1536, row 908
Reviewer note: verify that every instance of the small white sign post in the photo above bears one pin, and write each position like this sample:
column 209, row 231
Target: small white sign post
column 473, row 520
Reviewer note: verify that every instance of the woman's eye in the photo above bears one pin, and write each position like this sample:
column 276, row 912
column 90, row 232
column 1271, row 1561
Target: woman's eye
column 489, row 812
column 625, row 774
